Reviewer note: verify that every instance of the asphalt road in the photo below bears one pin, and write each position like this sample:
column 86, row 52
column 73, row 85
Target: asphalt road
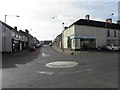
column 28, row 70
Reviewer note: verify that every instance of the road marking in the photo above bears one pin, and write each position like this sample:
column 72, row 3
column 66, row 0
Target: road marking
column 31, row 63
column 17, row 65
column 45, row 72
column 89, row 70
column 61, row 64
column 45, row 55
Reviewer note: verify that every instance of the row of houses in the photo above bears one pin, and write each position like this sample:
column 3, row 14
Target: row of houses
column 86, row 33
column 12, row 40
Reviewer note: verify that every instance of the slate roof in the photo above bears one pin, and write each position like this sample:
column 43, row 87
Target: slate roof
column 7, row 25
column 93, row 23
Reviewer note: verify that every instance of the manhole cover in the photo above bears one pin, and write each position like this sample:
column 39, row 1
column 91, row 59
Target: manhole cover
column 61, row 64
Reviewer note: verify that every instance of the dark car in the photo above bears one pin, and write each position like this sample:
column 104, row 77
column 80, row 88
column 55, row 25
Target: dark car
column 37, row 45
column 102, row 48
column 32, row 48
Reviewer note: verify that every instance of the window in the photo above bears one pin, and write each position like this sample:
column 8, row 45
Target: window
column 69, row 42
column 115, row 35
column 73, row 42
column 108, row 33
column 13, row 34
column 76, row 43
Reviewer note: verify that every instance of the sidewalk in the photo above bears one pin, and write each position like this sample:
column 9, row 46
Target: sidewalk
column 82, row 52
column 69, row 51
column 10, row 55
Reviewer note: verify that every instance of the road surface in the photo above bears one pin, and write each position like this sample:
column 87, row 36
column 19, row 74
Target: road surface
column 29, row 70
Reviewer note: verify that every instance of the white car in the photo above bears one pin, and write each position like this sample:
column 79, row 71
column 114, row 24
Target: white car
column 50, row 44
column 112, row 47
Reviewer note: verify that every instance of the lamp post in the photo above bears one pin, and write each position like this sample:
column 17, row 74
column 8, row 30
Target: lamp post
column 5, row 27
column 12, row 16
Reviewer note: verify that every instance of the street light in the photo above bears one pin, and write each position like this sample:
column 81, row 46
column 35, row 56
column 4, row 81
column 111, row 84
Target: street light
column 12, row 16
column 5, row 27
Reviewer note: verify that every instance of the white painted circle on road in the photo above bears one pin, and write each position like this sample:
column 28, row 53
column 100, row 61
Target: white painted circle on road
column 61, row 64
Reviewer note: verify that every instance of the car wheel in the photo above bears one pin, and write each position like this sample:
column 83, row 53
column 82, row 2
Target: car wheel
column 112, row 49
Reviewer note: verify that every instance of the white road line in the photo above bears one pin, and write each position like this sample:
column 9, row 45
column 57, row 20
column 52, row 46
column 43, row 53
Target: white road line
column 45, row 55
column 45, row 72
column 89, row 70
column 17, row 65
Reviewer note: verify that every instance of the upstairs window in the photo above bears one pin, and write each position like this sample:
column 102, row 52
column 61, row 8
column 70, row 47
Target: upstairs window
column 13, row 34
column 115, row 34
column 108, row 33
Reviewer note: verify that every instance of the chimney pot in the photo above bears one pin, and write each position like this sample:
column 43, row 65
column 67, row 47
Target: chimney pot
column 87, row 17
column 15, row 28
column 118, row 22
column 26, row 31
column 109, row 20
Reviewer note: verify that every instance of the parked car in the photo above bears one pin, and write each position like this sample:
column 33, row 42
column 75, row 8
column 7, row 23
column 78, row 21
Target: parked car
column 32, row 48
column 38, row 45
column 104, row 48
column 50, row 44
column 112, row 47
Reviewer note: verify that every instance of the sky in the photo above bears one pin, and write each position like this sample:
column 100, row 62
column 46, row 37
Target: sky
column 44, row 18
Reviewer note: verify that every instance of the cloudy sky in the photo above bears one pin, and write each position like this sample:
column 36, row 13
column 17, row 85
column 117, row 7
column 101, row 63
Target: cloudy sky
column 44, row 18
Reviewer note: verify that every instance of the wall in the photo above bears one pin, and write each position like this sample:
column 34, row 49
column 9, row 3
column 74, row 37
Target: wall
column 113, row 40
column 69, row 31
column 7, row 41
column 118, row 37
column 0, row 37
column 98, row 33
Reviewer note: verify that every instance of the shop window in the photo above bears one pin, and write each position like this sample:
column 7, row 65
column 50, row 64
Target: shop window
column 69, row 42
column 76, row 43
column 13, row 34
column 73, row 42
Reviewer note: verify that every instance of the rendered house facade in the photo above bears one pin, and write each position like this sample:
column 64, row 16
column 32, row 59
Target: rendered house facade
column 86, row 33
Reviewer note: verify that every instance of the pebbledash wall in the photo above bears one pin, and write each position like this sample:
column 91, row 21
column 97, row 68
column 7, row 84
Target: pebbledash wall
column 73, row 36
column 0, row 37
column 6, row 37
column 119, row 10
column 76, row 32
column 0, row 56
column 99, row 34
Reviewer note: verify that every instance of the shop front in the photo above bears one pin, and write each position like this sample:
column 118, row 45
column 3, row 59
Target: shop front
column 15, row 45
column 82, row 42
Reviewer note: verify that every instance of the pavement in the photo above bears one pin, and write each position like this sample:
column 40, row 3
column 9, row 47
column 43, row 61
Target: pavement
column 67, row 51
column 10, row 55
column 70, row 52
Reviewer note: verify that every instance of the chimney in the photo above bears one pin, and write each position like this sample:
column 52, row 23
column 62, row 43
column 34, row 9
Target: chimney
column 20, row 30
column 65, row 27
column 26, row 31
column 118, row 22
column 109, row 20
column 15, row 28
column 87, row 17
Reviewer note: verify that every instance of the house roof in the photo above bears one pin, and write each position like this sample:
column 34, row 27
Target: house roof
column 7, row 25
column 93, row 23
